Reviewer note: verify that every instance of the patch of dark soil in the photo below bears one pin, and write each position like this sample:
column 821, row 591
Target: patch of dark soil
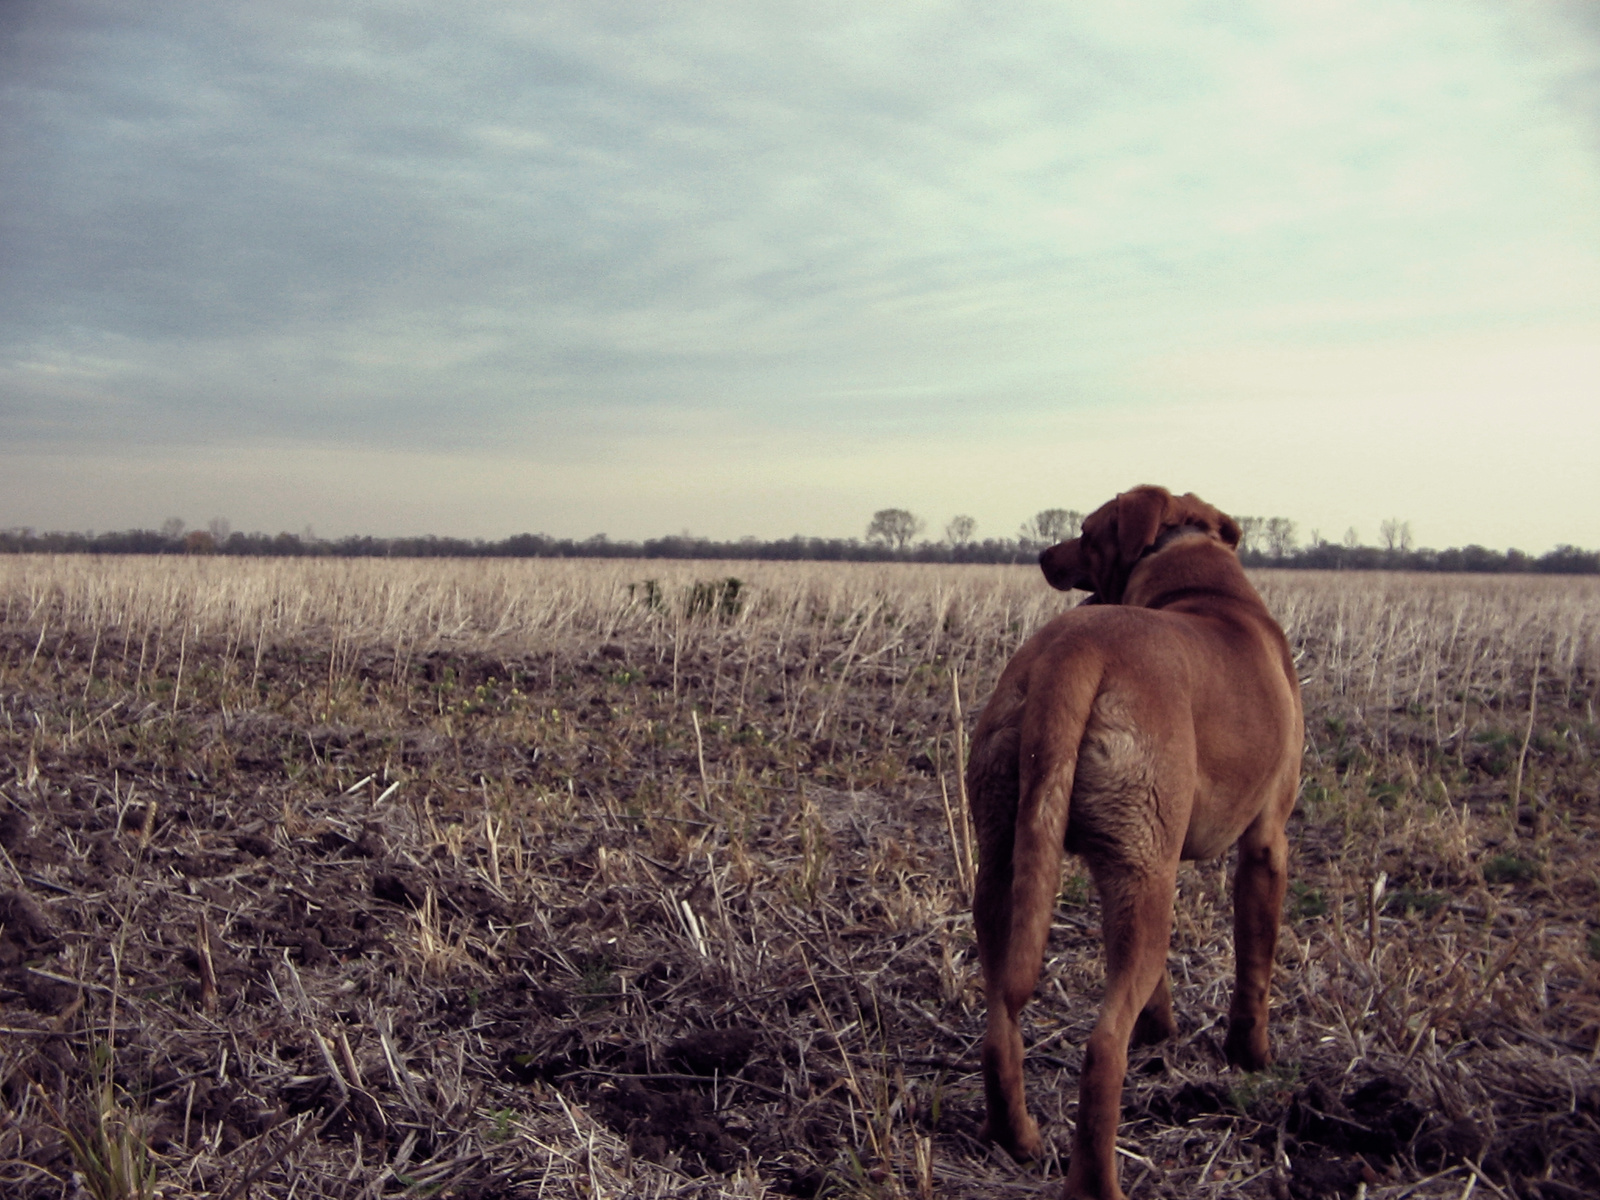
column 668, row 1123
column 467, row 898
column 1318, row 1173
column 552, row 1056
column 39, row 992
column 712, row 1051
column 802, row 1181
column 1384, row 1107
column 1179, row 1106
column 1529, row 1150
column 24, row 931
column 1377, row 1119
column 202, row 866
column 254, row 845
column 1439, row 1146
column 495, row 1191
column 396, row 890
column 205, row 1104
column 13, row 829
column 1336, row 1142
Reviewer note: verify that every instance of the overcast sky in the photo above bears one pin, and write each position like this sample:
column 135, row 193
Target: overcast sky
column 763, row 268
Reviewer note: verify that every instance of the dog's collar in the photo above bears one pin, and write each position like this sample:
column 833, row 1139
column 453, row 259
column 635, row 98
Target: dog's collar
column 1167, row 536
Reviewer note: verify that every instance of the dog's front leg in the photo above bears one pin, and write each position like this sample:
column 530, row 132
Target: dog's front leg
column 1258, row 888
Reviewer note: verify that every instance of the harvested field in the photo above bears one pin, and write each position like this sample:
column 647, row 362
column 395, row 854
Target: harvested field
column 546, row 878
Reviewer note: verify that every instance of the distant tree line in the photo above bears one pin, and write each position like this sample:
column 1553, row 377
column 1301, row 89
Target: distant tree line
column 522, row 545
column 893, row 535
column 1274, row 542
column 1327, row 556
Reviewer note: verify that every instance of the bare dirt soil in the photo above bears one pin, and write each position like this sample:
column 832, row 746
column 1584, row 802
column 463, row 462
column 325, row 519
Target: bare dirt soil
column 674, row 910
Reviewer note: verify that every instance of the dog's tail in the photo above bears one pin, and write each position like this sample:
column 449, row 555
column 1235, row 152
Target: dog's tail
column 1047, row 768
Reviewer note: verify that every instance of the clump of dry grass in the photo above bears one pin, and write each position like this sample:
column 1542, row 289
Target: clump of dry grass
column 485, row 878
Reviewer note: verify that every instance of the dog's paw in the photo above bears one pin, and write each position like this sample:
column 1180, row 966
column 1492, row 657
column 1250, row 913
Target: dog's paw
column 1091, row 1184
column 1153, row 1028
column 1246, row 1046
column 1021, row 1140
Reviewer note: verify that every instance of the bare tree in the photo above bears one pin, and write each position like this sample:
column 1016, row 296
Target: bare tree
column 1249, row 529
column 894, row 527
column 1396, row 534
column 1050, row 526
column 1352, row 539
column 1280, row 532
column 172, row 528
column 960, row 530
column 219, row 528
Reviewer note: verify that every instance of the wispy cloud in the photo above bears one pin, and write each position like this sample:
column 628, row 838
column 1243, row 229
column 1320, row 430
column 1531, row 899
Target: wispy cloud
column 582, row 233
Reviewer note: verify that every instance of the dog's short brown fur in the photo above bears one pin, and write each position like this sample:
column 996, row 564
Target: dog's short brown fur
column 1158, row 721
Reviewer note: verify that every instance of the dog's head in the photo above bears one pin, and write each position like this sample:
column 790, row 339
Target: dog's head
column 1117, row 535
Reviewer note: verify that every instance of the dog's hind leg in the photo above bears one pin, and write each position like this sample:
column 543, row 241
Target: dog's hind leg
column 1020, row 780
column 993, row 785
column 1136, row 914
column 1259, row 883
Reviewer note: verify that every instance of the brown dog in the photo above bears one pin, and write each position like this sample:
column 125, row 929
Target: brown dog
column 1158, row 721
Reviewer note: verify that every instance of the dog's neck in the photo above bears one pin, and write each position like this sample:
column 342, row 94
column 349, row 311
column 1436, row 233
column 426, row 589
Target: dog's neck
column 1176, row 580
column 1167, row 536
column 1113, row 590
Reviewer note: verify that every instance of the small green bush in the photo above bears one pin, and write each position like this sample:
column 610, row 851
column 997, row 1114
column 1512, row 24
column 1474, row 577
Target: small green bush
column 1306, row 901
column 648, row 594
column 1254, row 1089
column 719, row 598
column 1386, row 794
column 1075, row 890
column 1508, row 868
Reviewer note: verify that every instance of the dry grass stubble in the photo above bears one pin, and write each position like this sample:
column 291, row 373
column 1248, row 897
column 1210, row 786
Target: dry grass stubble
column 489, row 878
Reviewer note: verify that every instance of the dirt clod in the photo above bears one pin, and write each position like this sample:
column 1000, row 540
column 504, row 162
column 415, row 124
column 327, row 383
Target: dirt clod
column 713, row 1051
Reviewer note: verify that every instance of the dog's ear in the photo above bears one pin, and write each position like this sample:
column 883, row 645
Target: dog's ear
column 1194, row 511
column 1066, row 567
column 1141, row 515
